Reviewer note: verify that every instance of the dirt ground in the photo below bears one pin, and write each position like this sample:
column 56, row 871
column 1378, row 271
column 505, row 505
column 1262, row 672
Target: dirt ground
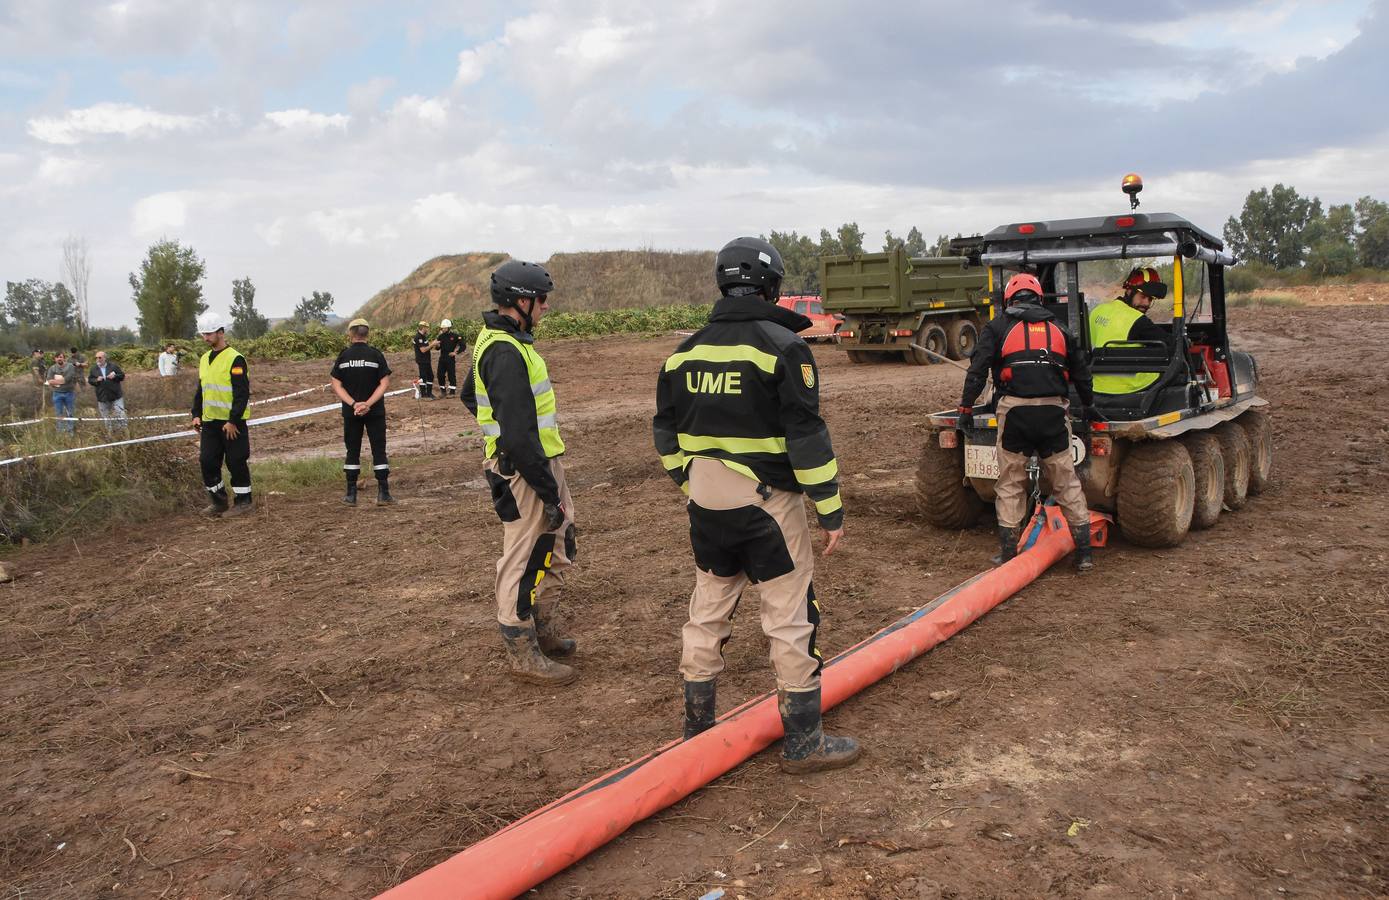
column 311, row 702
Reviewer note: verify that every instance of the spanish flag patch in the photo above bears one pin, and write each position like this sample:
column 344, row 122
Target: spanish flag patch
column 238, row 370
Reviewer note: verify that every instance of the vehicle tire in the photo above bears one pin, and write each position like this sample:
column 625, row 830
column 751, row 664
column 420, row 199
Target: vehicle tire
column 1157, row 494
column 1208, row 465
column 942, row 495
column 859, row 356
column 933, row 338
column 1234, row 447
column 961, row 337
column 1259, row 429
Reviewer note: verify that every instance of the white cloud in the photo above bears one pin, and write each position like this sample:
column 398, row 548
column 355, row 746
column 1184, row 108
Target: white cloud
column 433, row 111
column 474, row 62
column 65, row 171
column 159, row 214
column 307, row 120
column 104, row 119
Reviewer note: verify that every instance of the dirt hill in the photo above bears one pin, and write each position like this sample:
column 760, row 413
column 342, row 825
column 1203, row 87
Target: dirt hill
column 457, row 286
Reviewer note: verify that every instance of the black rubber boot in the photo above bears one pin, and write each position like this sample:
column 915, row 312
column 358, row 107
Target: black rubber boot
column 383, row 493
column 699, row 706
column 528, row 663
column 1007, row 544
column 350, row 498
column 241, row 506
column 547, row 631
column 216, row 505
column 1081, row 535
column 806, row 747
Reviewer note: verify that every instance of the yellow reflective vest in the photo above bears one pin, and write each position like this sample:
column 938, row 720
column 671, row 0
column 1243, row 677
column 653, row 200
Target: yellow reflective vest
column 1110, row 324
column 215, row 376
column 541, row 388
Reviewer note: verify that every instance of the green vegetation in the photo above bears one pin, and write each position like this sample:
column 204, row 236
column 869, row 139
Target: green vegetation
column 289, row 475
column 1286, row 231
column 247, row 322
column 1279, row 301
column 801, row 253
column 168, row 291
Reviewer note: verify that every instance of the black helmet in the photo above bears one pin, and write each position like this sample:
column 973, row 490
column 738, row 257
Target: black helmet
column 516, row 280
column 749, row 261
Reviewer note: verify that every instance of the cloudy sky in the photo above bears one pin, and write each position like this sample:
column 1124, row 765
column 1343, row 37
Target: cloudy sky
column 336, row 145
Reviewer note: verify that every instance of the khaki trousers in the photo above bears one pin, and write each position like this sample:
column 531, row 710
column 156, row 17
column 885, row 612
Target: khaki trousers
column 1010, row 491
column 530, row 572
column 742, row 537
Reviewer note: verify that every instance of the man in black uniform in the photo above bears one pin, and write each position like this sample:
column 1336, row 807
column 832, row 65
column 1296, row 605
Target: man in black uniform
column 219, row 417
column 422, row 361
column 738, row 427
column 451, row 344
column 361, row 378
column 1033, row 361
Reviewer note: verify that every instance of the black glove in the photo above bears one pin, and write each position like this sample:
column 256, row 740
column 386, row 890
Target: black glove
column 554, row 516
column 966, row 420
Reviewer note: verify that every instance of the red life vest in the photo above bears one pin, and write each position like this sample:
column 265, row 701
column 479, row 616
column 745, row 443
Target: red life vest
column 1033, row 361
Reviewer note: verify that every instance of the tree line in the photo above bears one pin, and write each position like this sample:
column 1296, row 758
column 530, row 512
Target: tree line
column 167, row 291
column 801, row 253
column 1280, row 228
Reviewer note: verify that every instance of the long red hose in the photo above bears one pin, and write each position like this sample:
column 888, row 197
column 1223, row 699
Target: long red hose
column 550, row 839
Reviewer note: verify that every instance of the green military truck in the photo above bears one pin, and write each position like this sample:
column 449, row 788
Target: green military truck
column 890, row 301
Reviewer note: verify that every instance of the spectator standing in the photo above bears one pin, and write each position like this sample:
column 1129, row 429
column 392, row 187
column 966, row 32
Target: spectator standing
column 80, row 362
column 168, row 362
column 62, row 378
column 451, row 344
column 423, row 346
column 361, row 377
column 39, row 369
column 219, row 417
column 106, row 378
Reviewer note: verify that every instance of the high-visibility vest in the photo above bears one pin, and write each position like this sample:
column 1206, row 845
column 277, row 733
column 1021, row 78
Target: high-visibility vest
column 541, row 389
column 1110, row 323
column 215, row 375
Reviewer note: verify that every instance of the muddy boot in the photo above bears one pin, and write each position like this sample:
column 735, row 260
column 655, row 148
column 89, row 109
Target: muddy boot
column 350, row 498
column 241, row 506
column 383, row 493
column 806, row 747
column 699, row 706
column 216, row 506
column 547, row 631
column 1007, row 545
column 1081, row 535
column 528, row 663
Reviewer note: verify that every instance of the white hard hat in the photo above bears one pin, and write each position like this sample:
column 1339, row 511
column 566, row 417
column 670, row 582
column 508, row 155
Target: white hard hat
column 447, row 323
column 209, row 322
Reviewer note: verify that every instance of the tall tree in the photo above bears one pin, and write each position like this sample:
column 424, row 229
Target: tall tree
column 850, row 238
column 1372, row 241
column 37, row 303
column 77, row 269
column 313, row 309
column 1331, row 242
column 247, row 322
column 168, row 291
column 801, row 256
column 1272, row 226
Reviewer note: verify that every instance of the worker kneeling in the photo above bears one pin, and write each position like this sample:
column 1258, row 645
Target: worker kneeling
column 1032, row 360
column 738, row 427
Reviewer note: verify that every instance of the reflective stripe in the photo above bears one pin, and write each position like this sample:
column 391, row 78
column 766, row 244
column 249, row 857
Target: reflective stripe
column 345, row 466
column 547, row 421
column 741, row 470
column 215, row 488
column 716, row 354
column 380, row 468
column 673, row 461
column 240, row 490
column 541, row 387
column 216, row 404
column 490, row 430
column 482, row 399
column 825, row 507
column 694, row 443
column 818, row 474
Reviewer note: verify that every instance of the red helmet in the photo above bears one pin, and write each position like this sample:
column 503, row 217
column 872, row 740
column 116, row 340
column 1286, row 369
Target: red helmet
column 1147, row 280
column 1022, row 282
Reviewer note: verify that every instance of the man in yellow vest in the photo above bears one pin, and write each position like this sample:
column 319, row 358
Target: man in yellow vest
column 509, row 391
column 1125, row 319
column 219, row 417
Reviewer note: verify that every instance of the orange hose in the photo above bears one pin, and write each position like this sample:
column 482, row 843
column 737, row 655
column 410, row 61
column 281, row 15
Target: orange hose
column 548, row 840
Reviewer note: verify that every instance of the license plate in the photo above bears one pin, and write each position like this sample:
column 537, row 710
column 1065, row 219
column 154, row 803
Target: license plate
column 981, row 461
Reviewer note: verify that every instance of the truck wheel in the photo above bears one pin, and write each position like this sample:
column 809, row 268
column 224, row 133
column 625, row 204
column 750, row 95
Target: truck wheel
column 1259, row 430
column 1208, row 465
column 1157, row 494
column 941, row 493
column 858, row 356
column 1234, row 447
column 933, row 338
column 962, row 337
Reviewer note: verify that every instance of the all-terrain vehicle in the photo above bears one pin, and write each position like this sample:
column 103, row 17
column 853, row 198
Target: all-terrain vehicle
column 1170, row 457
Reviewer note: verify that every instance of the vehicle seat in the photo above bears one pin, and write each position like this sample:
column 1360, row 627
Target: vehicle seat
column 1131, row 358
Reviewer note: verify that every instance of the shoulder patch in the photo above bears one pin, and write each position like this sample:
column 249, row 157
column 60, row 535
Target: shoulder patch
column 238, row 370
column 808, row 374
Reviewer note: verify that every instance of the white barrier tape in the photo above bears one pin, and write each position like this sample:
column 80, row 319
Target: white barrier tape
column 177, row 415
column 264, row 420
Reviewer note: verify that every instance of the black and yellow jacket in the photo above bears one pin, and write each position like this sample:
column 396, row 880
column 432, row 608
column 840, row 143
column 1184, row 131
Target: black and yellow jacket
column 744, row 390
